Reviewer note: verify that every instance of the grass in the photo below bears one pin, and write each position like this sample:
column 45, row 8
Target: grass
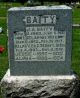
column 3, row 37
column 3, row 24
column 3, row 12
column 76, row 51
column 76, row 15
column 4, row 61
column 3, row 42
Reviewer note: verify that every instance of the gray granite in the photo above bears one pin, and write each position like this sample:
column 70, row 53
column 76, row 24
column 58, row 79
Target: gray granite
column 40, row 40
column 40, row 8
column 40, row 86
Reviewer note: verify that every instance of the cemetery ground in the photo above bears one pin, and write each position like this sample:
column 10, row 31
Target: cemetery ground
column 3, row 39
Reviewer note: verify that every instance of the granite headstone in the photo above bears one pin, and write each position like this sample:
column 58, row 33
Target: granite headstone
column 40, row 40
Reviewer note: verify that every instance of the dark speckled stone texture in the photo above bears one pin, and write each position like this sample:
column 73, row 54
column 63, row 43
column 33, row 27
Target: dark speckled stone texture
column 63, row 22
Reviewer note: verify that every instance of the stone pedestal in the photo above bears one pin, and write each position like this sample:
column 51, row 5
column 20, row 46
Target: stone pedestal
column 39, row 86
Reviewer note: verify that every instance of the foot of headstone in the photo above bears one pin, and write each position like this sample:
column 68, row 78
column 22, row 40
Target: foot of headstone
column 40, row 86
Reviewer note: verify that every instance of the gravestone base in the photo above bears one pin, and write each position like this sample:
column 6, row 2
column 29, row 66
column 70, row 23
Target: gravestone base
column 39, row 86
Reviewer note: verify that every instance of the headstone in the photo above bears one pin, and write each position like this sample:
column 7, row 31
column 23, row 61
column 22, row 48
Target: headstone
column 40, row 49
column 40, row 40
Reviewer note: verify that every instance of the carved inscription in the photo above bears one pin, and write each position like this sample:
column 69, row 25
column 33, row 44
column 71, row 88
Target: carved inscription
column 41, row 19
column 40, row 43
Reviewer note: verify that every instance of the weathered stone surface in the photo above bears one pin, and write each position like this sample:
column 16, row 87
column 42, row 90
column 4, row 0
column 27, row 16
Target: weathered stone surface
column 40, row 40
column 40, row 86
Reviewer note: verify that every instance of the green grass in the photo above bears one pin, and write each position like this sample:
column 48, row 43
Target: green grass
column 3, row 37
column 3, row 24
column 3, row 65
column 16, row 4
column 5, row 6
column 3, row 42
column 3, row 12
column 76, row 51
column 76, row 15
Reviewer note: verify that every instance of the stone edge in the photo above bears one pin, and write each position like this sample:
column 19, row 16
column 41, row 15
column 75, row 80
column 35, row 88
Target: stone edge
column 10, row 78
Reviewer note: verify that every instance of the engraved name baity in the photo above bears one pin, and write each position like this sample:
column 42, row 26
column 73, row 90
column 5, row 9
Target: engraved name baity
column 44, row 19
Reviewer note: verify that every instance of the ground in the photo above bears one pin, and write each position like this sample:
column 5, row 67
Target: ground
column 3, row 39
